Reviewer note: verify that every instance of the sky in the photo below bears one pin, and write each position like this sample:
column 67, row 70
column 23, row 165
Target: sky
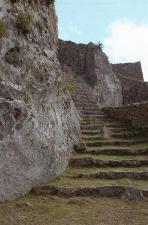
column 121, row 25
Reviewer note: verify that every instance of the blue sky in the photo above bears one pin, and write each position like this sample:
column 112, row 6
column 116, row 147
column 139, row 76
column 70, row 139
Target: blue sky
column 121, row 25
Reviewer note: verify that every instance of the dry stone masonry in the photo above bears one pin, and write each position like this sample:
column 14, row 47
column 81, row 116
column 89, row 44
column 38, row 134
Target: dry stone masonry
column 136, row 114
column 111, row 158
column 134, row 89
column 89, row 62
column 45, row 105
column 129, row 70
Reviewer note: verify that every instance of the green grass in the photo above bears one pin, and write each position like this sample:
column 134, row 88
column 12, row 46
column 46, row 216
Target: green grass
column 2, row 28
column 135, row 146
column 69, row 85
column 74, row 171
column 41, row 25
column 24, row 21
column 109, row 157
column 50, row 2
column 70, row 182
column 47, row 210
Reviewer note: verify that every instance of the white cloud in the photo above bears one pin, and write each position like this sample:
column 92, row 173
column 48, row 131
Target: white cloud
column 128, row 42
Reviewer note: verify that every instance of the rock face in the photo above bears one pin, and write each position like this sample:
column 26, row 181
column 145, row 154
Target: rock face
column 38, row 119
column 134, row 89
column 129, row 70
column 89, row 62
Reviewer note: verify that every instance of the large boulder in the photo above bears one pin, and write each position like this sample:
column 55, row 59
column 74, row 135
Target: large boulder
column 38, row 119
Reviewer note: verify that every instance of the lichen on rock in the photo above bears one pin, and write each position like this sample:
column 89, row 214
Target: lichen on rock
column 38, row 119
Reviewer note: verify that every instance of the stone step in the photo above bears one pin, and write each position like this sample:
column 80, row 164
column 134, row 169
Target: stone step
column 123, row 135
column 106, row 190
column 72, row 171
column 93, row 113
column 112, row 175
column 104, row 125
column 84, row 104
column 82, row 89
column 117, row 125
column 109, row 157
column 87, row 117
column 85, row 101
column 114, row 151
column 80, row 93
column 115, row 142
column 92, row 108
column 93, row 122
column 91, row 138
column 71, row 182
column 90, row 132
column 90, row 127
column 102, row 122
column 94, row 162
column 82, row 98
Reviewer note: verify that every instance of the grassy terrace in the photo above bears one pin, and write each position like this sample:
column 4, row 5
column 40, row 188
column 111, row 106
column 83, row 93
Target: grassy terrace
column 45, row 210
column 109, row 157
column 78, row 170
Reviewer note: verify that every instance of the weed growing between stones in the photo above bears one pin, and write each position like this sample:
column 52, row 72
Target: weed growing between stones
column 24, row 48
column 69, row 86
column 24, row 21
column 100, row 45
column 50, row 2
column 2, row 28
column 41, row 25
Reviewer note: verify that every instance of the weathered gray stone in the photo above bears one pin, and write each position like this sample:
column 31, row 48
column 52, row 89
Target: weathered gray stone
column 91, row 64
column 104, row 191
column 38, row 119
column 134, row 89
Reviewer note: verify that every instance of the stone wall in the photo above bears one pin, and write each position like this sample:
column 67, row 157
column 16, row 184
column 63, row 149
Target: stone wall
column 129, row 70
column 89, row 62
column 38, row 119
column 134, row 89
column 136, row 114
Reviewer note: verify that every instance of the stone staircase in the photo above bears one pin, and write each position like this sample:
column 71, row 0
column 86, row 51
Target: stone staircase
column 110, row 160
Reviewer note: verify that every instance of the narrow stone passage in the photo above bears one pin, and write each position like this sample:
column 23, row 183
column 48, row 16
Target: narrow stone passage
column 110, row 160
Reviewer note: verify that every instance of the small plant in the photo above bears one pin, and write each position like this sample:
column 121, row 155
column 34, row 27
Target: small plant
column 69, row 86
column 50, row 2
column 100, row 45
column 14, row 1
column 41, row 25
column 24, row 21
column 2, row 28
column 24, row 48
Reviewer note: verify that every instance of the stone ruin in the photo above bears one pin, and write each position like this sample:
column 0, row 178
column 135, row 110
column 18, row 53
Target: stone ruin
column 39, row 121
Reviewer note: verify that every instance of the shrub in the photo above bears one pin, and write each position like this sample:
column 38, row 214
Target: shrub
column 50, row 2
column 14, row 1
column 69, row 85
column 2, row 28
column 100, row 45
column 24, row 21
column 41, row 25
column 47, row 1
column 24, row 48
